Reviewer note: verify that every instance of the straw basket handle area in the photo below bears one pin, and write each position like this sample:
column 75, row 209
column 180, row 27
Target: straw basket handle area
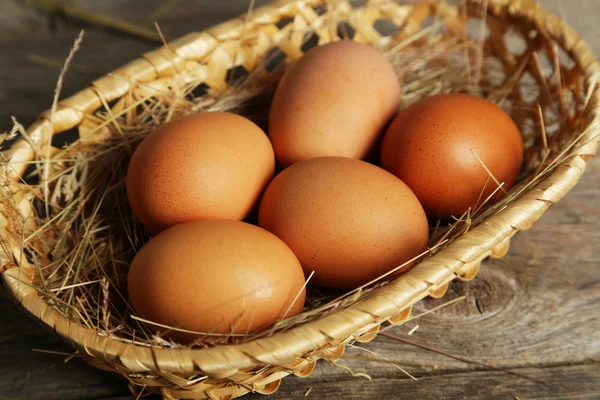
column 227, row 371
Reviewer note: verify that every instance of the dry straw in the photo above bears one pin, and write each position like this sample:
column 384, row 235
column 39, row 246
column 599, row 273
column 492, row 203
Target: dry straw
column 68, row 235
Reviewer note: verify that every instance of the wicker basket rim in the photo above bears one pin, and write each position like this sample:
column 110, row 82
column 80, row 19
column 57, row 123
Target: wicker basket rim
column 461, row 256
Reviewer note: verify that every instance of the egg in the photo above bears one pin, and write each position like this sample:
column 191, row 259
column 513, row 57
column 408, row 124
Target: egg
column 434, row 146
column 335, row 101
column 216, row 276
column 346, row 220
column 209, row 165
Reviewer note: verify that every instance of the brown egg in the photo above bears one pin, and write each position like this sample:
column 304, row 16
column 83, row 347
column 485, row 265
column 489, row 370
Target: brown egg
column 335, row 101
column 432, row 144
column 345, row 219
column 202, row 166
column 215, row 276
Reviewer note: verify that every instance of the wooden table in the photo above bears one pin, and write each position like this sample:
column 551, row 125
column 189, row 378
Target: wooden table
column 534, row 312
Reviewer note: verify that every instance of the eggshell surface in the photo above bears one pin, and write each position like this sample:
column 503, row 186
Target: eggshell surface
column 335, row 101
column 215, row 276
column 209, row 165
column 345, row 219
column 433, row 146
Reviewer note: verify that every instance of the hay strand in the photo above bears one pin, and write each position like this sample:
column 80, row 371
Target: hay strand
column 465, row 360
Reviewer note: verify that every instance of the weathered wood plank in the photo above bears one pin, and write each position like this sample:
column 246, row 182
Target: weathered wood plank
column 570, row 382
column 536, row 310
column 26, row 86
column 25, row 374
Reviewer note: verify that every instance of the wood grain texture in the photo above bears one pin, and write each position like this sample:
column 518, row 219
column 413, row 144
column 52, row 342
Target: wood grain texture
column 535, row 311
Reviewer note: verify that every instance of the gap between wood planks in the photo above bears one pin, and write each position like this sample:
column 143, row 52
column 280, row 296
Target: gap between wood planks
column 447, row 372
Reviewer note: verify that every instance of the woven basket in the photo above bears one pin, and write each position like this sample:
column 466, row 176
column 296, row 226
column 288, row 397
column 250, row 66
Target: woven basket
column 227, row 371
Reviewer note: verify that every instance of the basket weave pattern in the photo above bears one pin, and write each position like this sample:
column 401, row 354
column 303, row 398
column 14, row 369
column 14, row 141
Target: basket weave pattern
column 224, row 372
